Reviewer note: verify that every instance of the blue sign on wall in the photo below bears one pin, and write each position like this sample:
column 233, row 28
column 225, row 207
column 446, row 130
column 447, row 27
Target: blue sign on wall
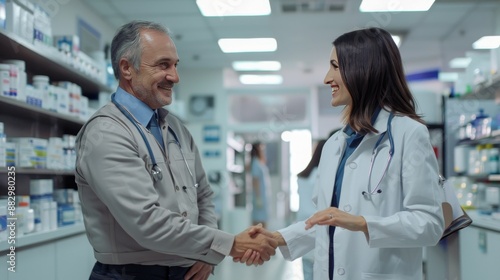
column 211, row 133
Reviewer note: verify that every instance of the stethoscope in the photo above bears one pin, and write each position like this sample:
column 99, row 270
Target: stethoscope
column 375, row 152
column 156, row 171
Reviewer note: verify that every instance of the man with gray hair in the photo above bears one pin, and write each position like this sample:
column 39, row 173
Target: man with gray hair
column 146, row 200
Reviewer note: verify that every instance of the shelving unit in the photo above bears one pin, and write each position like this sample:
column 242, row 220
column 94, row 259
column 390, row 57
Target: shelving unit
column 23, row 120
column 14, row 109
column 45, row 236
column 42, row 60
column 236, row 156
column 486, row 91
column 464, row 251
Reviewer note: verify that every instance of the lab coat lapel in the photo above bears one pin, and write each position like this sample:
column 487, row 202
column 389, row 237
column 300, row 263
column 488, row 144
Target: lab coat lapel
column 330, row 159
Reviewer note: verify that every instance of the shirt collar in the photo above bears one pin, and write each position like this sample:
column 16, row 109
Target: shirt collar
column 136, row 107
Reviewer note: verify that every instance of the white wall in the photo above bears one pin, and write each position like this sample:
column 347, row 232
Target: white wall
column 65, row 15
column 207, row 82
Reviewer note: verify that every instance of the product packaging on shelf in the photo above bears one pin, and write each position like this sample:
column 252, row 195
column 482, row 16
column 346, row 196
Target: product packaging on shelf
column 66, row 210
column 5, row 80
column 55, row 154
column 3, row 146
column 10, row 154
column 21, row 79
column 3, row 220
column 25, row 218
column 2, row 15
column 31, row 152
column 41, row 83
column 75, row 93
column 41, row 196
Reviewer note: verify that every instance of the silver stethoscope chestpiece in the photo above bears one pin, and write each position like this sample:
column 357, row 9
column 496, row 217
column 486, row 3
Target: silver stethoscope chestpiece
column 156, row 172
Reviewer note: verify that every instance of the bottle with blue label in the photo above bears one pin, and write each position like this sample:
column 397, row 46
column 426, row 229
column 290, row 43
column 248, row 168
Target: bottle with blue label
column 481, row 124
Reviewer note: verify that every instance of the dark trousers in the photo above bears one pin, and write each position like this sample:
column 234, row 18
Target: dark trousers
column 137, row 272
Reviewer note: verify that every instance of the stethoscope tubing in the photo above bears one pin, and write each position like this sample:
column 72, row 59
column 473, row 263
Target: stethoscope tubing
column 156, row 170
column 375, row 151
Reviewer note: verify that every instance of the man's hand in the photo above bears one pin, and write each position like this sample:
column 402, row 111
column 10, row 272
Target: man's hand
column 262, row 244
column 199, row 271
column 252, row 257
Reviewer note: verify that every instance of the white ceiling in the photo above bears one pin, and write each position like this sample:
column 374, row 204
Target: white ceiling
column 304, row 37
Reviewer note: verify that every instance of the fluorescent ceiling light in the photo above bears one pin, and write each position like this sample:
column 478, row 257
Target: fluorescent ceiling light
column 487, row 42
column 397, row 40
column 256, row 65
column 261, row 79
column 460, row 62
column 218, row 8
column 448, row 76
column 395, row 5
column 233, row 45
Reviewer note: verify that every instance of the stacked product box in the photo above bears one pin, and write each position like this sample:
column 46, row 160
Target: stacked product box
column 20, row 18
column 31, row 152
column 42, row 202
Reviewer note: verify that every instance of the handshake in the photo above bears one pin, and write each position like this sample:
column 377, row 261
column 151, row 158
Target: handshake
column 255, row 245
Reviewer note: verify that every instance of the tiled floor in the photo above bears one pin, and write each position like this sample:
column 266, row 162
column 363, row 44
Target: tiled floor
column 275, row 269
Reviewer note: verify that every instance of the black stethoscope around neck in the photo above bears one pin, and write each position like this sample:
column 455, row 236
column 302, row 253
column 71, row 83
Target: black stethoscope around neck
column 376, row 149
column 156, row 171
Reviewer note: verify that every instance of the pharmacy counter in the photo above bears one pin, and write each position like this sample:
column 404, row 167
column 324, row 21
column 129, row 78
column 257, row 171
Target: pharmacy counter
column 490, row 222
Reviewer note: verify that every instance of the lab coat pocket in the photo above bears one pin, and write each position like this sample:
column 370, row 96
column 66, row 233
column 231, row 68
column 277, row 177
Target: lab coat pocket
column 185, row 159
column 191, row 193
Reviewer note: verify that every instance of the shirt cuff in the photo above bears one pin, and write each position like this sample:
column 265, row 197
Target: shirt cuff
column 223, row 243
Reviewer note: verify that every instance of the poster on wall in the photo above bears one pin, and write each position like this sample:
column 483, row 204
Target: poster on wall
column 202, row 107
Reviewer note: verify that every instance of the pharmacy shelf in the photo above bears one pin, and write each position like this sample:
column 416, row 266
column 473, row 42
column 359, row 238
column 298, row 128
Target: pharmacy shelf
column 482, row 177
column 12, row 107
column 493, row 139
column 32, row 171
column 45, row 60
column 41, row 237
column 486, row 91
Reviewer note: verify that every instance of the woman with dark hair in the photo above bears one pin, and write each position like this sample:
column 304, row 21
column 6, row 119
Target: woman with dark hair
column 378, row 191
column 261, row 184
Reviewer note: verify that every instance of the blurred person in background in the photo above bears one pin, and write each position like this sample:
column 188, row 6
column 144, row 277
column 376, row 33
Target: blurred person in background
column 261, row 184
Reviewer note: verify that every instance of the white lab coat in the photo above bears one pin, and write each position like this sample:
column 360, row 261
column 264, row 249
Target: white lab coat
column 405, row 217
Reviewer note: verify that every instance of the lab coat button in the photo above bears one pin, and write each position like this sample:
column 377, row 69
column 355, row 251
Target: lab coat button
column 347, row 208
column 164, row 127
column 341, row 271
column 184, row 214
column 177, row 188
column 353, row 165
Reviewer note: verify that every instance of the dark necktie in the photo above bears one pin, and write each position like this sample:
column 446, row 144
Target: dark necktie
column 155, row 129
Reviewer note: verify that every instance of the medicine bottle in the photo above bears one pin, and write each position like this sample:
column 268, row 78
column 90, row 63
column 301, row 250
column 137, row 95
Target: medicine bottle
column 4, row 79
column 22, row 79
column 41, row 83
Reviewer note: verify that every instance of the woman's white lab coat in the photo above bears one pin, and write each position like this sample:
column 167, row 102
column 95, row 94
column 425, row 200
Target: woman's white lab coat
column 402, row 219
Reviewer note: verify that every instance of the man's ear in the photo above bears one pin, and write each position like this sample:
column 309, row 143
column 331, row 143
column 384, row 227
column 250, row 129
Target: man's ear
column 126, row 69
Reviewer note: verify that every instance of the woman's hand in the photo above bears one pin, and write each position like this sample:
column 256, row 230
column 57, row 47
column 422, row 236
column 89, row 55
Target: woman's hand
column 332, row 216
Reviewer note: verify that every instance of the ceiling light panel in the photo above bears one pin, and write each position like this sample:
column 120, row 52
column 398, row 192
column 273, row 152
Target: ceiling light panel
column 395, row 6
column 256, row 65
column 239, row 45
column 460, row 62
column 487, row 42
column 261, row 79
column 219, row 8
